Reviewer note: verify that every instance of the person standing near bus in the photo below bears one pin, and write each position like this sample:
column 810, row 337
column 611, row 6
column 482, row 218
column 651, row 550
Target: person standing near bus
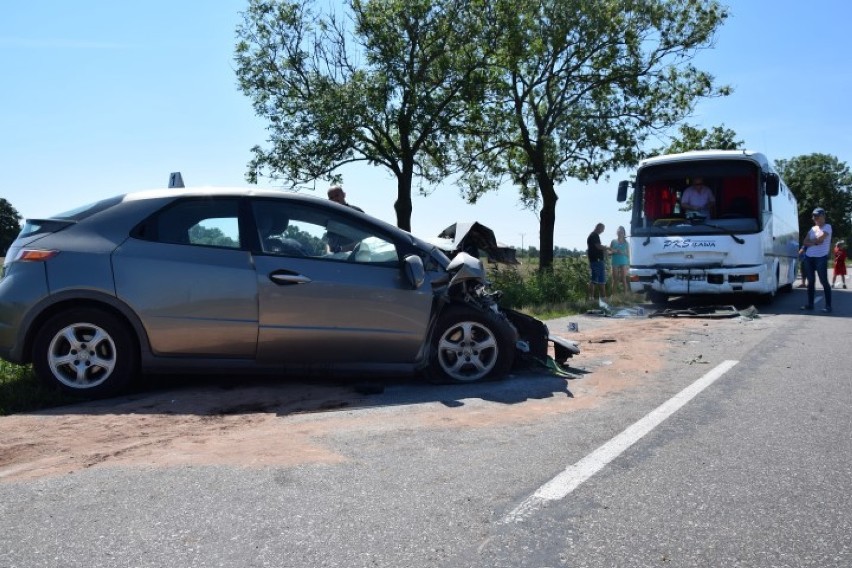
column 818, row 241
column 620, row 260
column 839, row 263
column 597, row 263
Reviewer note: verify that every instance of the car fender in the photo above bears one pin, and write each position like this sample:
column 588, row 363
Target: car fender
column 53, row 303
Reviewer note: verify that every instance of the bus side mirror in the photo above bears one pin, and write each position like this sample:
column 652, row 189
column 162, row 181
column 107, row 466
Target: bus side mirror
column 772, row 184
column 622, row 191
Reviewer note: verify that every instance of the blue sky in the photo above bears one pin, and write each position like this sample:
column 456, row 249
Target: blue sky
column 101, row 97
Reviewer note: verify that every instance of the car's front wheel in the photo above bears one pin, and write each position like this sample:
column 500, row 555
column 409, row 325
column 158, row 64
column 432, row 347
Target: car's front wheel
column 87, row 352
column 470, row 345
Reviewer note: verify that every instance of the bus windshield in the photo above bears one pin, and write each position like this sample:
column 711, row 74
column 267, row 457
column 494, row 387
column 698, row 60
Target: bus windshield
column 732, row 199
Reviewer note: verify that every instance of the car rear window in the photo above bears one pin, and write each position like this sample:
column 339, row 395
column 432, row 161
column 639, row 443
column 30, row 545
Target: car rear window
column 81, row 213
column 61, row 220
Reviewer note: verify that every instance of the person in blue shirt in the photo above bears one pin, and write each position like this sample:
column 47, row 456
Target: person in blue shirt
column 620, row 261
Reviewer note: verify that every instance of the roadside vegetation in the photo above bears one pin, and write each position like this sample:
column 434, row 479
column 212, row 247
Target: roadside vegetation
column 562, row 290
column 21, row 391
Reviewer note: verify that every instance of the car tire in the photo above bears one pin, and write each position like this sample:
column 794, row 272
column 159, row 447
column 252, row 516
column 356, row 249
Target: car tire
column 470, row 345
column 86, row 352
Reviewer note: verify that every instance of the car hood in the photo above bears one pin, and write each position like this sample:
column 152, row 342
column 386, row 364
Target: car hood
column 474, row 237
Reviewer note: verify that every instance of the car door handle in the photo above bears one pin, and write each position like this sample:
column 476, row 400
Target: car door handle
column 287, row 277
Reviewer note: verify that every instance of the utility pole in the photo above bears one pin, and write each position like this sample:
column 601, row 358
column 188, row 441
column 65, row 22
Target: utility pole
column 522, row 244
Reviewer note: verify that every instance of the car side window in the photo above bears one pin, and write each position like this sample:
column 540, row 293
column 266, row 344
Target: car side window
column 217, row 232
column 296, row 230
column 201, row 222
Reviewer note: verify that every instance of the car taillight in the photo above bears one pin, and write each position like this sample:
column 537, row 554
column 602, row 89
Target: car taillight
column 35, row 255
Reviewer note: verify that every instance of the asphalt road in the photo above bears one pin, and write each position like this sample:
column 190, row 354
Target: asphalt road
column 755, row 470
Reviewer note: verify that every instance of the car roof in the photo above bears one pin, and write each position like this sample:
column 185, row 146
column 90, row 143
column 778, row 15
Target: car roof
column 159, row 193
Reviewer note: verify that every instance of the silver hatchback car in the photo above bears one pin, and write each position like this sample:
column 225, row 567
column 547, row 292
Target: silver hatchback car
column 212, row 280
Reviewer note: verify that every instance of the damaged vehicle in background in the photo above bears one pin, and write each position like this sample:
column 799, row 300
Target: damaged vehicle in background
column 228, row 280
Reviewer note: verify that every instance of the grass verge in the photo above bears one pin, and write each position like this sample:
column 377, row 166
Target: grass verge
column 21, row 391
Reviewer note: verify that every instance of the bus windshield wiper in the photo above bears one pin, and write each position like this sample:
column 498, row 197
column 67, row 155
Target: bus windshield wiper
column 695, row 222
column 725, row 230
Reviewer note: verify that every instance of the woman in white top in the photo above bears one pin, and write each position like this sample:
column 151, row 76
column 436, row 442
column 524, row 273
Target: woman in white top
column 818, row 241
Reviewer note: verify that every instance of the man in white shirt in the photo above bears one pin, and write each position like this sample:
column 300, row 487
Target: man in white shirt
column 698, row 198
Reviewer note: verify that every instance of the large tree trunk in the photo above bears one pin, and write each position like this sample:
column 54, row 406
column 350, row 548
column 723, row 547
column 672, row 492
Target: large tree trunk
column 547, row 222
column 402, row 205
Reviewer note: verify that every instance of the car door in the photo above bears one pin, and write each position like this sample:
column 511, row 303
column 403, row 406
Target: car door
column 326, row 305
column 187, row 275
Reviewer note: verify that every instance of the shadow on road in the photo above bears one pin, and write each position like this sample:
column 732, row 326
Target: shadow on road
column 785, row 302
column 233, row 395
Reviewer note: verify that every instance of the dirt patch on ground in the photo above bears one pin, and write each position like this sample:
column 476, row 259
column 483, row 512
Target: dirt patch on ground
column 286, row 424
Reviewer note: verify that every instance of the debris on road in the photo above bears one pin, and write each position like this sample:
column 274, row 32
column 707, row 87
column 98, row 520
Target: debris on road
column 712, row 312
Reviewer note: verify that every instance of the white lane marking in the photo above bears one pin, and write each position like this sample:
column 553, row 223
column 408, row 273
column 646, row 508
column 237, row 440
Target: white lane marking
column 573, row 476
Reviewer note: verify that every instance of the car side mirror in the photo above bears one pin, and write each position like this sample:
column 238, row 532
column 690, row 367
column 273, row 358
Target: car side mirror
column 772, row 184
column 415, row 272
column 623, row 186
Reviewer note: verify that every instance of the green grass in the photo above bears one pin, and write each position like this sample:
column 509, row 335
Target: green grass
column 21, row 391
column 561, row 291
column 558, row 310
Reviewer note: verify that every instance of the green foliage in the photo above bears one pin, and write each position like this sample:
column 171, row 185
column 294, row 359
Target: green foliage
column 694, row 138
column 312, row 245
column 536, row 91
column 566, row 282
column 561, row 290
column 9, row 225
column 820, row 180
column 21, row 391
column 562, row 252
column 389, row 87
column 211, row 236
column 576, row 88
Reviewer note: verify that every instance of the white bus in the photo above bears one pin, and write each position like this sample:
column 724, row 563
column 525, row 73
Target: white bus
column 747, row 244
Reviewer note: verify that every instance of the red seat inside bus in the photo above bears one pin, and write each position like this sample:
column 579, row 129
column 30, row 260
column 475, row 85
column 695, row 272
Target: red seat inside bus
column 735, row 197
column 660, row 201
column 739, row 197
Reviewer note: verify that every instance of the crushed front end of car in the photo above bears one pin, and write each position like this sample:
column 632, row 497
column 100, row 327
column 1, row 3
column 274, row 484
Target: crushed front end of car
column 466, row 288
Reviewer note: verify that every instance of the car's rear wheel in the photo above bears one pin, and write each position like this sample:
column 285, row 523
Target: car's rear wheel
column 87, row 352
column 470, row 345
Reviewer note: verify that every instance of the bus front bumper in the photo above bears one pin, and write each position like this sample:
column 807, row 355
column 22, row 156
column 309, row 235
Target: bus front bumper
column 681, row 281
